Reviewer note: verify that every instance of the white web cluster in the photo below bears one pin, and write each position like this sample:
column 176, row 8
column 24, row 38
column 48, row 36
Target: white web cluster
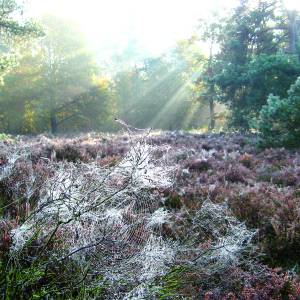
column 206, row 154
column 155, row 257
column 21, row 235
column 144, row 170
column 105, row 217
column 111, row 220
column 158, row 218
column 13, row 154
column 229, row 237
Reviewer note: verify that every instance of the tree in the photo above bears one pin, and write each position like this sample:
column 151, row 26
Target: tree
column 20, row 93
column 252, row 63
column 279, row 122
column 294, row 33
column 56, row 85
column 13, row 27
column 66, row 68
column 93, row 109
column 156, row 93
column 209, row 33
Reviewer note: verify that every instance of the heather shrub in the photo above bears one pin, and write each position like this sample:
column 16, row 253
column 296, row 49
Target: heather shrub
column 198, row 165
column 237, row 173
column 173, row 201
column 286, row 177
column 69, row 152
column 275, row 212
column 265, row 173
column 253, row 206
column 77, row 229
column 247, row 161
column 279, row 122
column 148, row 217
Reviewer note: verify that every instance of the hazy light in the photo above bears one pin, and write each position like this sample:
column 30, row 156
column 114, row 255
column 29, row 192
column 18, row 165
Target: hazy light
column 292, row 4
column 154, row 25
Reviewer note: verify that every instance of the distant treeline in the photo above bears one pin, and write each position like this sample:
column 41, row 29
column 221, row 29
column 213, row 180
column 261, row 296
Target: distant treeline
column 56, row 85
column 51, row 82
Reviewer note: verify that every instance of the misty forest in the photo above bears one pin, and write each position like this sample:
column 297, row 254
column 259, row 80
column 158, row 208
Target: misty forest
column 150, row 149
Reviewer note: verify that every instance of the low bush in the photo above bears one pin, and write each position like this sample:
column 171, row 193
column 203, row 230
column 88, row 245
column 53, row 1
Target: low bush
column 279, row 122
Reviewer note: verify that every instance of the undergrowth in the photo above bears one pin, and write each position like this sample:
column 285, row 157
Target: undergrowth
column 142, row 216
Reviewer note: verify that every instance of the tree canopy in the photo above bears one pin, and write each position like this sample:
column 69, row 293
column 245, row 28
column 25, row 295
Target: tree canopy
column 54, row 82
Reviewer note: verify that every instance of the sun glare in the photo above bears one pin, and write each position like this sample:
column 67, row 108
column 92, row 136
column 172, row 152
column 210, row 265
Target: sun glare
column 292, row 4
column 152, row 25
column 155, row 25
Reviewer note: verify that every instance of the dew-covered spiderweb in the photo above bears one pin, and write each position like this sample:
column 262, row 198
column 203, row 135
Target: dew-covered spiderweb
column 111, row 220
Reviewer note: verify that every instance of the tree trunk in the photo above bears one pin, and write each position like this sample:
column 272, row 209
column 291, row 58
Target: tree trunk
column 53, row 123
column 292, row 32
column 211, row 92
column 212, row 120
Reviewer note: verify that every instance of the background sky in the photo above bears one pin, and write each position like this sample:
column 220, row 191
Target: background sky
column 154, row 25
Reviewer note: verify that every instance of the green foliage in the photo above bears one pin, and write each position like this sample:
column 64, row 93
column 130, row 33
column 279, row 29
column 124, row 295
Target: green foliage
column 49, row 85
column 173, row 201
column 92, row 110
column 252, row 62
column 279, row 122
column 14, row 29
column 248, row 87
column 11, row 22
column 3, row 137
column 171, row 284
column 40, row 280
column 56, row 86
column 157, row 93
column 205, row 85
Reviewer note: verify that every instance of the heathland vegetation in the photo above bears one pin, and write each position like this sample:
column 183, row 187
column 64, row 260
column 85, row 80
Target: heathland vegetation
column 171, row 176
